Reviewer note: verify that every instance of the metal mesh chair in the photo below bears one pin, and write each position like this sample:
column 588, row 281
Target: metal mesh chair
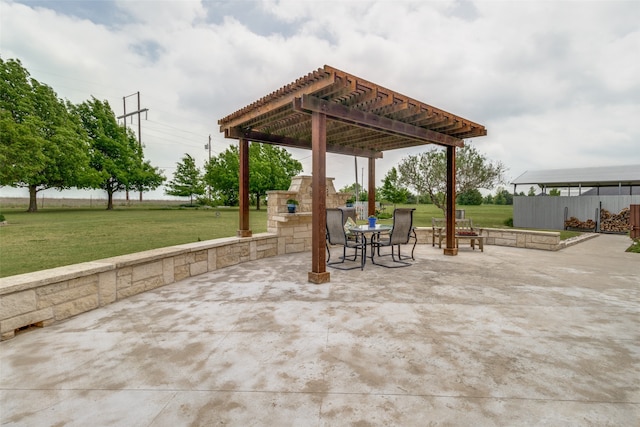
column 400, row 235
column 336, row 235
column 348, row 213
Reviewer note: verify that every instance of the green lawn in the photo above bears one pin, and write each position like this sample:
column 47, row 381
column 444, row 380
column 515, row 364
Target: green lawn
column 54, row 237
column 490, row 216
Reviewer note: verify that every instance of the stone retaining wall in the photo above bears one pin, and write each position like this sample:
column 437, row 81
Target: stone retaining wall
column 529, row 239
column 48, row 296
column 44, row 297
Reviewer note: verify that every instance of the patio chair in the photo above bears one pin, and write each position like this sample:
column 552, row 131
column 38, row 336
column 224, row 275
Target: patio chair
column 336, row 235
column 400, row 235
column 348, row 213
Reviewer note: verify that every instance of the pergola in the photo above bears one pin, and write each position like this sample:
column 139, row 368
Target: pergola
column 329, row 110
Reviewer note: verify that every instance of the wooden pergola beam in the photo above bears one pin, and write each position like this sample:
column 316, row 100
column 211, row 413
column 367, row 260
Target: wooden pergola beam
column 365, row 119
column 297, row 143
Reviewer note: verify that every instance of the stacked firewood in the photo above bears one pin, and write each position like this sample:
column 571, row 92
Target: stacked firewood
column 618, row 223
column 574, row 222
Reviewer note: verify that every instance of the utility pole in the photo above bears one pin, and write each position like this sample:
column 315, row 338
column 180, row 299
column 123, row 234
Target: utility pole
column 125, row 115
column 209, row 147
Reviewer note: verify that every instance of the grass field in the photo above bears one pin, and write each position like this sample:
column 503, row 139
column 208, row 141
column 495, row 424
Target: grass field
column 58, row 236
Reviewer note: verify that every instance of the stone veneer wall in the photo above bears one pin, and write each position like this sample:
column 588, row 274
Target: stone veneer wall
column 45, row 297
column 296, row 228
column 529, row 239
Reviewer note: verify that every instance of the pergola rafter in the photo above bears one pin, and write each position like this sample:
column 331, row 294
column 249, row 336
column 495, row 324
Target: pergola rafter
column 329, row 110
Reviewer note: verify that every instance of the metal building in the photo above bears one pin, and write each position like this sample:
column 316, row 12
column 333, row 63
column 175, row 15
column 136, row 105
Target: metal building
column 587, row 194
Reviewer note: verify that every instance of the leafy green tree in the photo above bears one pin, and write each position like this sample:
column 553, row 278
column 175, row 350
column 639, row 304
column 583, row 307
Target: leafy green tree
column 187, row 180
column 503, row 197
column 113, row 152
column 42, row 142
column 353, row 189
column 414, row 199
column 147, row 177
column 143, row 176
column 554, row 192
column 222, row 175
column 470, row 197
column 426, row 173
column 488, row 200
column 270, row 168
column 532, row 191
column 392, row 190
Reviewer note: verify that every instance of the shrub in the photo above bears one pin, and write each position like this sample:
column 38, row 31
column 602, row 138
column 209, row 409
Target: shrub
column 508, row 222
column 470, row 197
column 383, row 215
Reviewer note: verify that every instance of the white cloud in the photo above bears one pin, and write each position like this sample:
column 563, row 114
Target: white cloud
column 165, row 16
column 555, row 83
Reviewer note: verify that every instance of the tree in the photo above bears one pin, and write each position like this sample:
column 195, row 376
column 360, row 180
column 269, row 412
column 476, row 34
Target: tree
column 270, row 168
column 554, row 192
column 532, row 191
column 187, row 180
column 426, row 173
column 391, row 188
column 222, row 174
column 42, row 142
column 470, row 197
column 147, row 177
column 503, row 197
column 356, row 188
column 143, row 176
column 113, row 153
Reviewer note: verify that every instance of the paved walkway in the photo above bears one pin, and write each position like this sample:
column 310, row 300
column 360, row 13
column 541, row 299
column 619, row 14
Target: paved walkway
column 508, row 337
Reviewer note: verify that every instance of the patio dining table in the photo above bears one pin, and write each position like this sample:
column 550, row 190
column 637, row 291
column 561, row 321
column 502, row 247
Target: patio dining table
column 367, row 232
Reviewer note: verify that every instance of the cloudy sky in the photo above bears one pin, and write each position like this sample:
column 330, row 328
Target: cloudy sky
column 556, row 83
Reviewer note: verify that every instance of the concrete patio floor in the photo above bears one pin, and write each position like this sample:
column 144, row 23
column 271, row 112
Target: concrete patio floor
column 508, row 337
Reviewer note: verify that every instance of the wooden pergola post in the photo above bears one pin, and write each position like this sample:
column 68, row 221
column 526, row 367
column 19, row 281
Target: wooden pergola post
column 243, row 194
column 450, row 248
column 318, row 273
column 371, row 189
